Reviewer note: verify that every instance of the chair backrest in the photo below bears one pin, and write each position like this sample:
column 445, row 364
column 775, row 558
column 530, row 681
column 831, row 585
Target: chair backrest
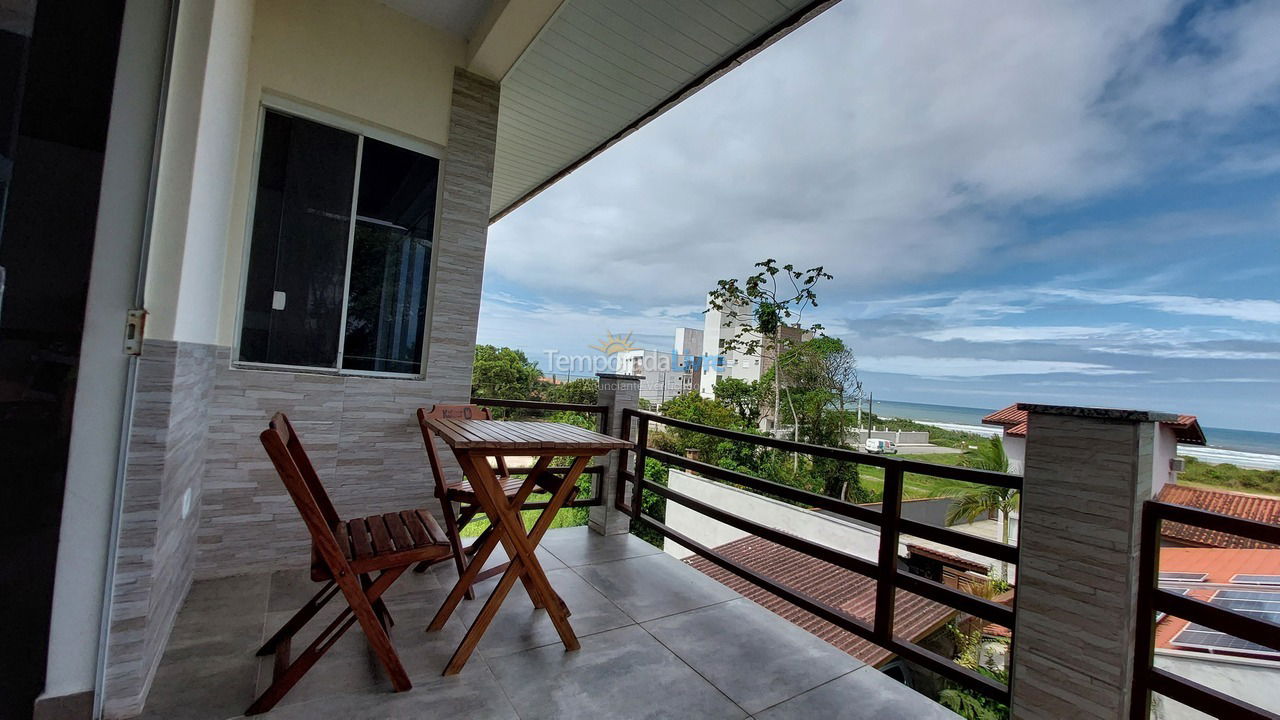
column 452, row 412
column 308, row 494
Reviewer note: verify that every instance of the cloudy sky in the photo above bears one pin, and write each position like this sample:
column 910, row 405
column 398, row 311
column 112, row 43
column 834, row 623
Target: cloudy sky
column 1068, row 202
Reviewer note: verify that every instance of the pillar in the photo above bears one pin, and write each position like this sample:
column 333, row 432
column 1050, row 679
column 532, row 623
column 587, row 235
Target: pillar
column 617, row 392
column 1087, row 472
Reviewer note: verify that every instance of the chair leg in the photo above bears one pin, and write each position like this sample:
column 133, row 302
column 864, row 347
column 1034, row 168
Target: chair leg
column 360, row 608
column 285, row 676
column 299, row 619
column 379, row 607
column 361, row 603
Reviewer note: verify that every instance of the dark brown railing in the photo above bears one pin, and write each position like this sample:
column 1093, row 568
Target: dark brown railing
column 885, row 572
column 595, row 471
column 1151, row 600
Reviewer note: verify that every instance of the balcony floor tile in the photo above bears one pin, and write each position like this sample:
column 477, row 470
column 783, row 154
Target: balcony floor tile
column 878, row 696
column 653, row 586
column 579, row 546
column 702, row 651
column 621, row 673
column 746, row 652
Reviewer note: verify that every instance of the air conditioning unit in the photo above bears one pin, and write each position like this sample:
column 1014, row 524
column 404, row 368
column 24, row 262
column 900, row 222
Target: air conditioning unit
column 1177, row 464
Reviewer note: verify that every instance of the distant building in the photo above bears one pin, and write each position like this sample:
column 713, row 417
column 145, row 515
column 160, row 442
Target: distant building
column 1185, row 430
column 719, row 326
column 666, row 373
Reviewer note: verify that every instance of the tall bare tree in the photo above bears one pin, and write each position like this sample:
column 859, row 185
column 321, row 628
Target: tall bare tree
column 760, row 305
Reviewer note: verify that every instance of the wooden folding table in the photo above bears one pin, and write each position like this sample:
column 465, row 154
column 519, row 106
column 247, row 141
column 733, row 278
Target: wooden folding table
column 473, row 442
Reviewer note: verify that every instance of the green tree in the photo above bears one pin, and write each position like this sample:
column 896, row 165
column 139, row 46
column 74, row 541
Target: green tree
column 974, row 501
column 583, row 391
column 742, row 396
column 759, row 306
column 818, row 373
column 692, row 407
column 503, row 373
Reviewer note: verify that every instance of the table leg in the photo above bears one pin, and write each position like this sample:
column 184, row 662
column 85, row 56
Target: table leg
column 523, row 562
column 485, row 549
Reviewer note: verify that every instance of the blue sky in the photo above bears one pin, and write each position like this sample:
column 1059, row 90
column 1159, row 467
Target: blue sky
column 1073, row 203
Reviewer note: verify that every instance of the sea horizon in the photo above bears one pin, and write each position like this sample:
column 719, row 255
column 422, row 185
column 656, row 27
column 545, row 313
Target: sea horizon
column 1245, row 448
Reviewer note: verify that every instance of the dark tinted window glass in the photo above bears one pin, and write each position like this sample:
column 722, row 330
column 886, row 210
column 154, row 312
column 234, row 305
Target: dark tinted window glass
column 297, row 261
column 395, row 217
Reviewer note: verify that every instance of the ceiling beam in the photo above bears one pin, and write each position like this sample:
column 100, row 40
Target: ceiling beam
column 508, row 28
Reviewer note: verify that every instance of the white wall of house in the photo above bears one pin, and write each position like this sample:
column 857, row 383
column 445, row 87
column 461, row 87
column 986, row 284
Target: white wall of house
column 1015, row 448
column 821, row 528
column 1166, row 449
column 1253, row 681
column 197, row 170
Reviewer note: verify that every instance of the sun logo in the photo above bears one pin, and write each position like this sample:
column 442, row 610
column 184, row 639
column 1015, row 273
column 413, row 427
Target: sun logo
column 614, row 344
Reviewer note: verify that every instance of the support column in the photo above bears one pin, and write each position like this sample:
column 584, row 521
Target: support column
column 618, row 392
column 1087, row 473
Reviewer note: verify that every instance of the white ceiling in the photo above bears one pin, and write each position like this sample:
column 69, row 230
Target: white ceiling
column 599, row 65
column 458, row 17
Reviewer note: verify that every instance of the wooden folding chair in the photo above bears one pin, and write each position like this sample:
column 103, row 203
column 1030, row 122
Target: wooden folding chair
column 345, row 554
column 459, row 490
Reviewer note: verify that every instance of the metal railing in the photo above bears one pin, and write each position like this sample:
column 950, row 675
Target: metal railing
column 1151, row 600
column 595, row 471
column 885, row 572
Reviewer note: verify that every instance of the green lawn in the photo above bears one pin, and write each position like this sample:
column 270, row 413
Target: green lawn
column 914, row 485
column 567, row 517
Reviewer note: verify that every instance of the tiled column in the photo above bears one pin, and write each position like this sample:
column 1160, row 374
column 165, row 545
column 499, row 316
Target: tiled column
column 1087, row 473
column 618, row 392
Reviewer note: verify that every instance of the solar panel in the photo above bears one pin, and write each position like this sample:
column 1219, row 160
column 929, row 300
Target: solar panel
column 1247, row 595
column 1258, row 605
column 1256, row 579
column 1183, row 577
column 1201, row 637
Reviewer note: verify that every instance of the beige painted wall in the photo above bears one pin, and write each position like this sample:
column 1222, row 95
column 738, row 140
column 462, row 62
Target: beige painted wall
column 354, row 58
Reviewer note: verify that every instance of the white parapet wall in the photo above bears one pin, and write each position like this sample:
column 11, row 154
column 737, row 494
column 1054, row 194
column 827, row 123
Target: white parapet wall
column 818, row 527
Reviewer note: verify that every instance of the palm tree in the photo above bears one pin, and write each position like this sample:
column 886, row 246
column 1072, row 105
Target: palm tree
column 974, row 501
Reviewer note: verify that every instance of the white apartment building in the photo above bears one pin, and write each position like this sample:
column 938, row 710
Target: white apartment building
column 666, row 374
column 720, row 326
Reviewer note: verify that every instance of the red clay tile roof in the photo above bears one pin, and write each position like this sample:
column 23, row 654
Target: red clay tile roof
column 1008, row 417
column 1249, row 507
column 915, row 617
column 948, row 558
column 1221, row 565
column 1014, row 421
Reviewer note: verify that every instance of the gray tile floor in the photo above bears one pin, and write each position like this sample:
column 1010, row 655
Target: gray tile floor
column 659, row 640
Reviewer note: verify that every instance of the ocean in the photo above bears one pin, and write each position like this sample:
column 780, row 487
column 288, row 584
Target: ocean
column 1245, row 448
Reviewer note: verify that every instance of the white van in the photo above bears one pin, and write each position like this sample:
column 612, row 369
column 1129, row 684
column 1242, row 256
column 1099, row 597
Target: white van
column 878, row 447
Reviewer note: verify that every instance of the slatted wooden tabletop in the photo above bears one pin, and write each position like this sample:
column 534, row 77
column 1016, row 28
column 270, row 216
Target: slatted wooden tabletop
column 511, row 437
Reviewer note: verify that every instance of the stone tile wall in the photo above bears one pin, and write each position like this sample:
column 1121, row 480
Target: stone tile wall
column 156, row 551
column 360, row 433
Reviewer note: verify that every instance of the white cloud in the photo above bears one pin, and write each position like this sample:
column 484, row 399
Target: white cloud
column 893, row 142
column 1261, row 311
column 1011, row 334
column 965, row 367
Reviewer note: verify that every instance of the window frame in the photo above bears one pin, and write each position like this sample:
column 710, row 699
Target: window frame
column 361, row 129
